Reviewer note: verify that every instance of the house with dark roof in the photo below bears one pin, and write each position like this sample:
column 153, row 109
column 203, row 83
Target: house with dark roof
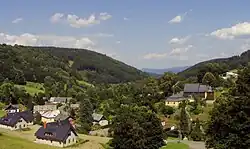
column 18, row 120
column 200, row 90
column 11, row 108
column 60, row 133
column 99, row 119
column 176, row 99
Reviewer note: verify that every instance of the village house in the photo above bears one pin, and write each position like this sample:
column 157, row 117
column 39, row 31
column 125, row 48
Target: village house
column 230, row 74
column 62, row 100
column 12, row 108
column 49, row 116
column 203, row 91
column 60, row 133
column 44, row 108
column 191, row 90
column 16, row 121
column 99, row 119
column 176, row 99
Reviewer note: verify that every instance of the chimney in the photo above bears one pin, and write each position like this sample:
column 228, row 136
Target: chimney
column 44, row 124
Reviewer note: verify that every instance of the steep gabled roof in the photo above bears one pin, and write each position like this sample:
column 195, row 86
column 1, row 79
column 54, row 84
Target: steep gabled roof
column 196, row 88
column 59, row 130
column 12, row 118
column 11, row 107
column 176, row 97
column 97, row 117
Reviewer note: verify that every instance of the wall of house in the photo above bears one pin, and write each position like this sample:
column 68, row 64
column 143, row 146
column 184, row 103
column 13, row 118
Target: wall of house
column 47, row 120
column 6, row 127
column 172, row 104
column 20, row 125
column 72, row 138
column 48, row 142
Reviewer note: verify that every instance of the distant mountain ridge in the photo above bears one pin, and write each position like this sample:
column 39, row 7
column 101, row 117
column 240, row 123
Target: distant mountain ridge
column 162, row 71
column 223, row 64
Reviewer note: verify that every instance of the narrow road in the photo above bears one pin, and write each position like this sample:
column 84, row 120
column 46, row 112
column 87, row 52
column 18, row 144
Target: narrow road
column 195, row 145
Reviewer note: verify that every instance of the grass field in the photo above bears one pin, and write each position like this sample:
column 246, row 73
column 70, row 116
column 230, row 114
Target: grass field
column 32, row 88
column 2, row 113
column 24, row 140
column 11, row 142
column 175, row 146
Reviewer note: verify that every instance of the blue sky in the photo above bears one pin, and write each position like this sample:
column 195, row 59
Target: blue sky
column 142, row 33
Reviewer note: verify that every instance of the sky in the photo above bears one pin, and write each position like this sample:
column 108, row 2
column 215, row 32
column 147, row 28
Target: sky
column 141, row 33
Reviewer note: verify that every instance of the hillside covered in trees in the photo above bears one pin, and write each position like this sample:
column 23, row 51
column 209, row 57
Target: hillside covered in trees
column 218, row 66
column 23, row 63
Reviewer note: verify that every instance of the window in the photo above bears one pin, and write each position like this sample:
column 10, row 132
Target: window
column 50, row 141
column 24, row 125
column 73, row 140
column 69, row 141
column 19, row 120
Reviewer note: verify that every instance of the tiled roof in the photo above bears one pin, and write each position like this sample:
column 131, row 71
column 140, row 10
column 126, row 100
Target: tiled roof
column 59, row 130
column 51, row 114
column 60, row 99
column 12, row 118
column 176, row 97
column 196, row 88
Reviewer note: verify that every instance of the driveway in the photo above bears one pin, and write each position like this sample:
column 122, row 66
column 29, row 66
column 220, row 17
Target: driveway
column 195, row 145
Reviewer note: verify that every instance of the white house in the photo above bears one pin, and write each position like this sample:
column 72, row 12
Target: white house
column 49, row 116
column 12, row 108
column 60, row 133
column 230, row 75
column 18, row 120
column 62, row 100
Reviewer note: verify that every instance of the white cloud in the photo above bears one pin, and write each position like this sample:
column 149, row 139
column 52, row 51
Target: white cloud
column 238, row 30
column 177, row 40
column 78, row 22
column 176, row 19
column 17, row 20
column 180, row 51
column 118, row 42
column 47, row 40
column 125, row 19
column 155, row 56
column 179, row 18
column 104, row 16
column 56, row 17
column 103, row 35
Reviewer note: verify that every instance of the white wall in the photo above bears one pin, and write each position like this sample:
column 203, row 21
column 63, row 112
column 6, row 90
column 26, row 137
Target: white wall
column 20, row 125
column 69, row 141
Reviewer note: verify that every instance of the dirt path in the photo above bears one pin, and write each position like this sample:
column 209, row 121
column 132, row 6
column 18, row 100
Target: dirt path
column 195, row 145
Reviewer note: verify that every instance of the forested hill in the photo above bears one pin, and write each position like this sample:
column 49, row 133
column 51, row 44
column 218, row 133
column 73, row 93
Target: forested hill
column 19, row 63
column 218, row 66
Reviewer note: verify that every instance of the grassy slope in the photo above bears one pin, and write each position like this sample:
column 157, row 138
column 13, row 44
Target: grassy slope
column 93, row 143
column 2, row 113
column 32, row 88
column 11, row 142
column 175, row 146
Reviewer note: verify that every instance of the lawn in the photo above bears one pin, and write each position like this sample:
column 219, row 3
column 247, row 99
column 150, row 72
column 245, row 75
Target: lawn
column 26, row 138
column 32, row 88
column 175, row 146
column 2, row 113
column 11, row 142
